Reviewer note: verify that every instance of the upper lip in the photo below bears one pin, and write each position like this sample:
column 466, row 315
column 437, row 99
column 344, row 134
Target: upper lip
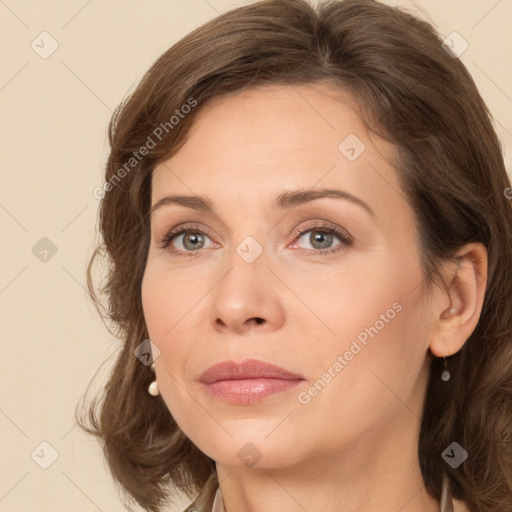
column 247, row 369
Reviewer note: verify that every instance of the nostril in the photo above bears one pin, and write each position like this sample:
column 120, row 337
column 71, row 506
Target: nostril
column 259, row 320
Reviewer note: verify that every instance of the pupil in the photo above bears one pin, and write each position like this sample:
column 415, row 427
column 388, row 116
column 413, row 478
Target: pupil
column 194, row 239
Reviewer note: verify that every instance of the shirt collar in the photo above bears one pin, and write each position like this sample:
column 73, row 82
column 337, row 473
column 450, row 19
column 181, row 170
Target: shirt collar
column 218, row 502
column 446, row 496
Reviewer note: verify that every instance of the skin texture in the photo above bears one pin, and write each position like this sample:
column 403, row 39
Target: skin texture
column 353, row 446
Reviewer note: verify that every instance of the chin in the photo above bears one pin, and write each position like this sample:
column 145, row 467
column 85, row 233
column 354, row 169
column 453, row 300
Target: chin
column 251, row 450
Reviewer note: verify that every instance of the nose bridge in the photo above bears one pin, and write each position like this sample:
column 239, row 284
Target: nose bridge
column 242, row 283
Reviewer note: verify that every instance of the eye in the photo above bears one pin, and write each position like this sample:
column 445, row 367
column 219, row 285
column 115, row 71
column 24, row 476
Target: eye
column 321, row 237
column 192, row 240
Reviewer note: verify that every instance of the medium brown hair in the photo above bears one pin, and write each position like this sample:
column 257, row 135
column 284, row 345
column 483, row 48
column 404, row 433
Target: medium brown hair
column 409, row 91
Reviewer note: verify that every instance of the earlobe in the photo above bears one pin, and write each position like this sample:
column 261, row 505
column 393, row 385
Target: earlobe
column 465, row 295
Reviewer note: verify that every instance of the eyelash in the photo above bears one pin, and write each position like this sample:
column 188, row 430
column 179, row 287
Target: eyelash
column 329, row 229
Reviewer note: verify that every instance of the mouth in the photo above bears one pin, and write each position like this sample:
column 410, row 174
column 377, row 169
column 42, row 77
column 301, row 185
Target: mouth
column 247, row 382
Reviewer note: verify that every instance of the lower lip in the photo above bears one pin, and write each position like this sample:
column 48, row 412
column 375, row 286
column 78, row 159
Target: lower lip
column 248, row 391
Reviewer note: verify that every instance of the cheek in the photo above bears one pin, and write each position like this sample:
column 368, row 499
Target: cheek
column 385, row 357
column 162, row 312
column 378, row 325
column 165, row 300
column 351, row 300
column 166, row 303
column 153, row 305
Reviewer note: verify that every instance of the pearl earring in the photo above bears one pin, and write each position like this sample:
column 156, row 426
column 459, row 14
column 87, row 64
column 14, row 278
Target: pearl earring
column 452, row 311
column 445, row 376
column 153, row 387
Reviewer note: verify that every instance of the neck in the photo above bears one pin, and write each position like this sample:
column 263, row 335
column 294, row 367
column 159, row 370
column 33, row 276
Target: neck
column 363, row 476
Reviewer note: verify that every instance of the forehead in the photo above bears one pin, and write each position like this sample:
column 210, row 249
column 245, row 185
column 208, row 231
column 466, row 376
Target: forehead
column 267, row 139
column 303, row 117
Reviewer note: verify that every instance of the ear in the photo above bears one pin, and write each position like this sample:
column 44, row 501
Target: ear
column 464, row 293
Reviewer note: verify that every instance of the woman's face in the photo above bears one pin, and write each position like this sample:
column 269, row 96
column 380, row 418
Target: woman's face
column 266, row 278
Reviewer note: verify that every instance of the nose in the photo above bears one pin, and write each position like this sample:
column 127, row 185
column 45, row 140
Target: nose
column 247, row 297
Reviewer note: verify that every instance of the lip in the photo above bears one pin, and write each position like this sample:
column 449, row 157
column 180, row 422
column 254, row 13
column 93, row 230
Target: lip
column 248, row 381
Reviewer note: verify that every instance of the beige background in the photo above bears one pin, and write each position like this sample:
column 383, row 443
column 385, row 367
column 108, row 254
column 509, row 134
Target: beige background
column 54, row 115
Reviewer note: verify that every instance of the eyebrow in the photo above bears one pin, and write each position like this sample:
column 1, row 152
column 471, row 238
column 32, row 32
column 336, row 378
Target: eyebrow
column 285, row 200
